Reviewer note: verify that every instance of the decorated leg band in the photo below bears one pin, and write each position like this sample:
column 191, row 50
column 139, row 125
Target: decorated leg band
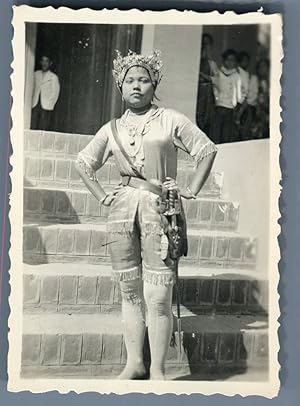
column 126, row 275
column 164, row 278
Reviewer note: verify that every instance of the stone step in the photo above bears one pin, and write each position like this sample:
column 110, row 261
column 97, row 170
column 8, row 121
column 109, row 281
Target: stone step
column 60, row 173
column 88, row 243
column 57, row 288
column 86, row 346
column 64, row 145
column 75, row 206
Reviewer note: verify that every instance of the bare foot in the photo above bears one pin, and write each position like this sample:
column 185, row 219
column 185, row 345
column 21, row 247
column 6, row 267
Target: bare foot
column 133, row 372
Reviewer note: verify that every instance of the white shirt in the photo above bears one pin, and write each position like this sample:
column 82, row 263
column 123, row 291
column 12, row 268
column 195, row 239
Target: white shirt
column 228, row 88
column 47, row 87
column 245, row 78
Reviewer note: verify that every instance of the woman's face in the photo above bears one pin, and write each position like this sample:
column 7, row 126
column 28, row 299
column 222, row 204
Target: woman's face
column 137, row 88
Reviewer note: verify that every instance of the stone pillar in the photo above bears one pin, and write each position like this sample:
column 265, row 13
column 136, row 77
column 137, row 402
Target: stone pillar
column 181, row 47
column 31, row 32
column 148, row 39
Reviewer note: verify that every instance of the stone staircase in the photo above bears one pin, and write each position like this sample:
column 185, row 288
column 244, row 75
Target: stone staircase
column 72, row 323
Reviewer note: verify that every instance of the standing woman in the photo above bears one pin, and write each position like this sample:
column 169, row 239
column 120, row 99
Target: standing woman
column 144, row 143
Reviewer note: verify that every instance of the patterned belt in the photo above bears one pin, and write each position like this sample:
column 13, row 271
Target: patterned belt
column 141, row 184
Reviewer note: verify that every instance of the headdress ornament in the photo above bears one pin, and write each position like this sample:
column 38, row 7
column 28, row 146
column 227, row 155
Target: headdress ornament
column 152, row 63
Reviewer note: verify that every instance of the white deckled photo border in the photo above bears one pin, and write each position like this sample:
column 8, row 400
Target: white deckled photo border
column 16, row 383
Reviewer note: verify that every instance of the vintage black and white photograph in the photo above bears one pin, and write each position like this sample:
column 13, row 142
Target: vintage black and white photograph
column 145, row 187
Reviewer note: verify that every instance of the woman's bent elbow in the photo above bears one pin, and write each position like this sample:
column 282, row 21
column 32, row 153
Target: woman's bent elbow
column 78, row 168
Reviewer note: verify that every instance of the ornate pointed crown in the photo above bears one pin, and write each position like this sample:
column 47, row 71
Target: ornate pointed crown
column 152, row 63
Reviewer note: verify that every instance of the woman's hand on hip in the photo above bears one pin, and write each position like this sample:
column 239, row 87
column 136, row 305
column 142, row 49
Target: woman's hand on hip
column 171, row 184
column 110, row 197
column 186, row 193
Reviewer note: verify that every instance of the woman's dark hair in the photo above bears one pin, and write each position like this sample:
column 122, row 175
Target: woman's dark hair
column 242, row 55
column 229, row 52
column 209, row 37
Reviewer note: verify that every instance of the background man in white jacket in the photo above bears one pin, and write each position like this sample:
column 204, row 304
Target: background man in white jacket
column 45, row 95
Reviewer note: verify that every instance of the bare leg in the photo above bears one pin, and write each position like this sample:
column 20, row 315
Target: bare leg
column 133, row 314
column 160, row 324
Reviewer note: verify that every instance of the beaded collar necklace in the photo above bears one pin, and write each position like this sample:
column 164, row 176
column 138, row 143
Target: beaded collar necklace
column 136, row 129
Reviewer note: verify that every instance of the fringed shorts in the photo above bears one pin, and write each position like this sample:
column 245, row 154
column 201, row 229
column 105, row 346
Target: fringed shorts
column 135, row 231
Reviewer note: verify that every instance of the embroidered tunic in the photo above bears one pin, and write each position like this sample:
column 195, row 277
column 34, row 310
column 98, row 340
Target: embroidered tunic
column 165, row 131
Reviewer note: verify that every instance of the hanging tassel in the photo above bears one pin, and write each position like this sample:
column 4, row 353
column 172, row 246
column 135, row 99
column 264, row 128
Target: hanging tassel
column 88, row 170
column 124, row 276
column 206, row 150
column 157, row 278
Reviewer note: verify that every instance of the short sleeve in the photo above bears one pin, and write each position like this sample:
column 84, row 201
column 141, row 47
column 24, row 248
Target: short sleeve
column 96, row 153
column 191, row 138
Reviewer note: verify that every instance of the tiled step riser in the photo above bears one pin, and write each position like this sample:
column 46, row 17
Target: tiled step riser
column 60, row 144
column 63, row 144
column 78, row 207
column 100, row 352
column 61, row 174
column 59, row 244
column 98, row 294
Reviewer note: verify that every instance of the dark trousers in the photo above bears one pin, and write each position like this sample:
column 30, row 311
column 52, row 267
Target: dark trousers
column 248, row 124
column 40, row 118
column 223, row 125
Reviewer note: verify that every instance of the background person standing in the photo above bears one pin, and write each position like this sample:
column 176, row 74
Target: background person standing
column 263, row 99
column 45, row 95
column 228, row 94
column 243, row 113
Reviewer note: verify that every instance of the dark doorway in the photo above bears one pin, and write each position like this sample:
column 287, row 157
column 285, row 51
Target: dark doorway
column 82, row 57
